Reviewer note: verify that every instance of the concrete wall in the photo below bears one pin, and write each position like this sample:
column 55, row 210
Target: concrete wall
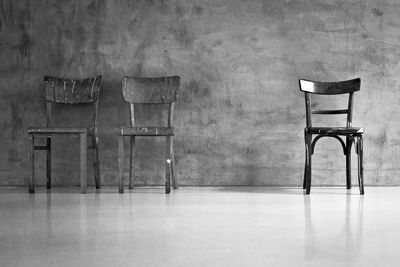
column 240, row 115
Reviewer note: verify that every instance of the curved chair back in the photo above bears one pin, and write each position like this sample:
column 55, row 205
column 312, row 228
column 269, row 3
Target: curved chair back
column 72, row 91
column 161, row 90
column 329, row 88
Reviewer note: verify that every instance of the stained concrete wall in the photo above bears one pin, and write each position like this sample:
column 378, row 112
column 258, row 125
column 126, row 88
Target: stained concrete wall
column 240, row 115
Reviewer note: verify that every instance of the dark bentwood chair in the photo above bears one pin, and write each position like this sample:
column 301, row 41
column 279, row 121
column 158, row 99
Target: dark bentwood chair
column 352, row 134
column 67, row 91
column 161, row 90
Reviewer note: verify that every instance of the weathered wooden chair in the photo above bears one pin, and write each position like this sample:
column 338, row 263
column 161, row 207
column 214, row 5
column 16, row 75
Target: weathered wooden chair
column 161, row 90
column 68, row 91
column 352, row 134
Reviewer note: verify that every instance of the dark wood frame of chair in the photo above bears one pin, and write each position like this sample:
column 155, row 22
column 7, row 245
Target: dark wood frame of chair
column 139, row 90
column 352, row 134
column 68, row 91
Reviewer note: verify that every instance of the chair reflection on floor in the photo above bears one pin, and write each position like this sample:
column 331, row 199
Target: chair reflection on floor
column 351, row 233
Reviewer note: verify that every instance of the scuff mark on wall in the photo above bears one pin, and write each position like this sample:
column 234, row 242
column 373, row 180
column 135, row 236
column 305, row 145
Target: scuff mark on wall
column 25, row 45
column 97, row 9
column 13, row 156
column 195, row 91
column 183, row 34
column 373, row 56
column 197, row 9
column 16, row 120
column 139, row 57
column 377, row 12
column 6, row 14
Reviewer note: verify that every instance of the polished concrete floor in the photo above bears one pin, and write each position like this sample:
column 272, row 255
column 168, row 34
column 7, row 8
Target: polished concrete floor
column 201, row 227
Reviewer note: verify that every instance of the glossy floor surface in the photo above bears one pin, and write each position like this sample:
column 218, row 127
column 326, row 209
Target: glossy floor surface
column 201, row 227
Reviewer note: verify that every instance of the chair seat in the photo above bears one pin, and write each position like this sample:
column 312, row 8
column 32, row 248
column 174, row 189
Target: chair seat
column 51, row 130
column 147, row 131
column 336, row 130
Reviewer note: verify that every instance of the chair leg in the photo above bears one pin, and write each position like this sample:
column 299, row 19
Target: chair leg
column 305, row 168
column 31, row 183
column 305, row 161
column 131, row 158
column 96, row 161
column 83, row 162
column 360, row 164
column 308, row 164
column 121, row 164
column 48, row 162
column 348, row 163
column 174, row 180
column 168, row 165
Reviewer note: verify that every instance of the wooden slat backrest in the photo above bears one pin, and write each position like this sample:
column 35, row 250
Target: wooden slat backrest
column 329, row 88
column 71, row 91
column 160, row 90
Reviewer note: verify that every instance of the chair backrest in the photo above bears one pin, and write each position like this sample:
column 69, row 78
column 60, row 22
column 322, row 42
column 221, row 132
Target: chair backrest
column 71, row 91
column 160, row 90
column 329, row 88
